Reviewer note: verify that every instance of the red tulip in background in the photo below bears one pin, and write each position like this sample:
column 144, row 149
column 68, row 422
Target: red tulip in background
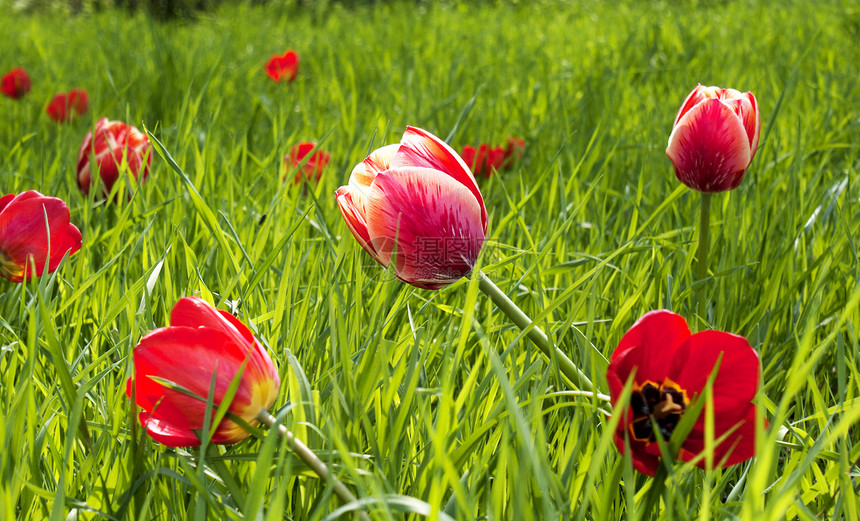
column 200, row 344
column 419, row 199
column 313, row 166
column 65, row 106
column 670, row 367
column 15, row 83
column 104, row 150
column 485, row 159
column 24, row 234
column 284, row 67
column 714, row 138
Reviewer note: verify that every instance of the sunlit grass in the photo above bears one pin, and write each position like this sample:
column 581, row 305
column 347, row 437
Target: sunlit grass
column 419, row 400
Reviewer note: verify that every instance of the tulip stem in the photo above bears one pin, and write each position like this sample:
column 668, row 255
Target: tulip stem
column 535, row 334
column 311, row 460
column 702, row 271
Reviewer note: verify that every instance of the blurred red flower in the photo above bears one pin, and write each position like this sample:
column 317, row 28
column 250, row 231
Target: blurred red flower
column 65, row 106
column 114, row 142
column 313, row 167
column 174, row 367
column 15, row 83
column 284, row 67
column 484, row 160
column 670, row 368
column 513, row 151
column 27, row 220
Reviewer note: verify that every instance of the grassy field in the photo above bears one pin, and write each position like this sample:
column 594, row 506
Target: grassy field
column 431, row 403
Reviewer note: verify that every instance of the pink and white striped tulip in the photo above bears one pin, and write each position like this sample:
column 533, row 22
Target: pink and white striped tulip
column 419, row 203
column 714, row 138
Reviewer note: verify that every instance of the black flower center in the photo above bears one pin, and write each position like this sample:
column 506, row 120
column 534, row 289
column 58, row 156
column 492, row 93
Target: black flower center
column 657, row 404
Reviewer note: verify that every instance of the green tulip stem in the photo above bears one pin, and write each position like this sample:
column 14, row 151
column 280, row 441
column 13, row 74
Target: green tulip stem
column 702, row 271
column 535, row 334
column 311, row 460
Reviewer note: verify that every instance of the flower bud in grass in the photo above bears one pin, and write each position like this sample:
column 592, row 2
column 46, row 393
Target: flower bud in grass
column 15, row 84
column 714, row 138
column 419, row 203
column 174, row 367
column 484, row 160
column 34, row 231
column 283, row 68
column 670, row 368
column 313, row 166
column 104, row 150
column 65, row 106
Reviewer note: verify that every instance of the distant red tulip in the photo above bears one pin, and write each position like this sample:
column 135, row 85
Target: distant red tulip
column 513, row 151
column 24, row 235
column 65, row 106
column 714, row 138
column 200, row 344
column 484, row 160
column 114, row 142
column 284, row 67
column 313, row 167
column 15, row 83
column 419, row 199
column 670, row 367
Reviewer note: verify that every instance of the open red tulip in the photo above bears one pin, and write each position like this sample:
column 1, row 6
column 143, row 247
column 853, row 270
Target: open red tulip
column 173, row 363
column 670, row 367
column 284, row 67
column 418, row 202
column 484, row 160
column 313, row 166
column 15, row 84
column 65, row 106
column 27, row 220
column 104, row 151
column 714, row 138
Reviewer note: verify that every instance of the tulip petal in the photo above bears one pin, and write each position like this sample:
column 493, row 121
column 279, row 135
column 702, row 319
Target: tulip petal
column 709, row 147
column 354, row 218
column 167, row 433
column 431, row 219
column 419, row 148
column 203, row 352
column 23, row 233
column 642, row 461
column 648, row 348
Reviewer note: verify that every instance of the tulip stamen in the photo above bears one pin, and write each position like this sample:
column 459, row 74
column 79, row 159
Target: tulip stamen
column 656, row 404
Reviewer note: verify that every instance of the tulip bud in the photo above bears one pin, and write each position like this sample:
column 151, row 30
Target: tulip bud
column 15, row 84
column 284, row 67
column 114, row 142
column 313, row 166
column 174, row 368
column 34, row 231
column 418, row 203
column 714, row 138
column 65, row 106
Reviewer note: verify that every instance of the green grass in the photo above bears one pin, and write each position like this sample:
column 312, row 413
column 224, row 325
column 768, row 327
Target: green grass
column 432, row 401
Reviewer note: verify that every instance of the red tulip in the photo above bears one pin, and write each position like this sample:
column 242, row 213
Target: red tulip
column 114, row 142
column 714, row 138
column 15, row 83
column 484, row 160
column 26, row 240
column 284, row 67
column 670, row 367
column 513, row 151
column 172, row 362
column 313, row 167
column 420, row 199
column 65, row 106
